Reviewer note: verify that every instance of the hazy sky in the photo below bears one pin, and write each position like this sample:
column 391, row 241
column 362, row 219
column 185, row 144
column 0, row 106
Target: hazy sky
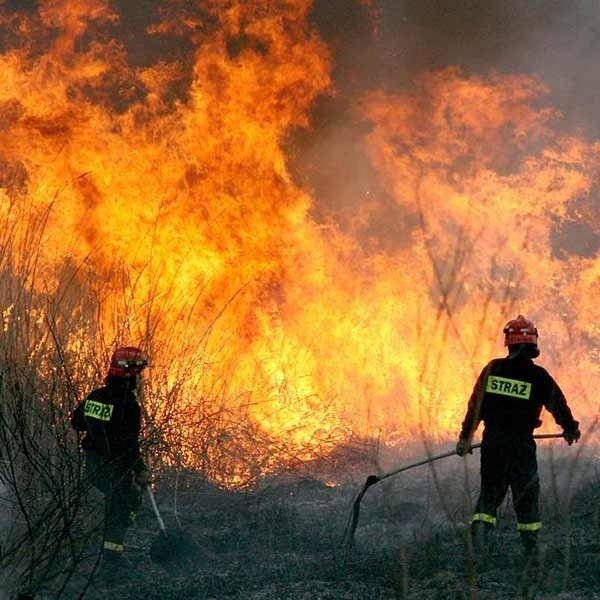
column 557, row 42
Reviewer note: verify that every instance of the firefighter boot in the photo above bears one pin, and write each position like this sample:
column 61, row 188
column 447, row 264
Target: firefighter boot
column 529, row 541
column 481, row 533
column 114, row 567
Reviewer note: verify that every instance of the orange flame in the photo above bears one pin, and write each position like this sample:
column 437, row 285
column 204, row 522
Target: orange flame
column 168, row 187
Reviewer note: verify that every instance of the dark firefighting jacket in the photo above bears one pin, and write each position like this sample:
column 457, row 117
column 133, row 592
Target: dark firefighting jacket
column 110, row 418
column 509, row 396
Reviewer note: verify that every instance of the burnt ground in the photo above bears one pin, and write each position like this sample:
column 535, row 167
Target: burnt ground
column 284, row 540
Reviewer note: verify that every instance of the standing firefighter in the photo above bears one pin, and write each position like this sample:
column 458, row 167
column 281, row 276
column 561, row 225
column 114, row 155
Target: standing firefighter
column 508, row 397
column 110, row 417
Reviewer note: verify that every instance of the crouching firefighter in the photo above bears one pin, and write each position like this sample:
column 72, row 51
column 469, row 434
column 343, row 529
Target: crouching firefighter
column 508, row 397
column 110, row 418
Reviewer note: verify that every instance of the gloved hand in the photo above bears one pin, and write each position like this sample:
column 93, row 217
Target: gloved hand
column 143, row 477
column 572, row 435
column 463, row 446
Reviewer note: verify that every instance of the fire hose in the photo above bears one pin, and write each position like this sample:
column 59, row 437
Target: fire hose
column 373, row 479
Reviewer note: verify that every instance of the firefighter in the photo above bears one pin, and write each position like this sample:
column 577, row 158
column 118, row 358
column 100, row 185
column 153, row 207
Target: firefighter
column 110, row 418
column 508, row 397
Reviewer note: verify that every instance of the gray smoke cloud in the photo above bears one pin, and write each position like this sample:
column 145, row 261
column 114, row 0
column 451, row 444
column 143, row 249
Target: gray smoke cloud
column 555, row 41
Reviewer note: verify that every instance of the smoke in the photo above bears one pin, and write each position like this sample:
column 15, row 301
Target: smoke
column 444, row 170
column 391, row 45
column 555, row 40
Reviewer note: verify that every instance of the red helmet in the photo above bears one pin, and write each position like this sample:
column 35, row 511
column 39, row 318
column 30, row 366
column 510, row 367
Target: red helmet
column 520, row 331
column 127, row 362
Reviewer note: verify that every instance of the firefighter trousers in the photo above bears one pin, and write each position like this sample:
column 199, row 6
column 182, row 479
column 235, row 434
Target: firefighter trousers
column 122, row 497
column 509, row 460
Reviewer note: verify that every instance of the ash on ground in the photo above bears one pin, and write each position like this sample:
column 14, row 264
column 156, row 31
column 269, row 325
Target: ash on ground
column 285, row 539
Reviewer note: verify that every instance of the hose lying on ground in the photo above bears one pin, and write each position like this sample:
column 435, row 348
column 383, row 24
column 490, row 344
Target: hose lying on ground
column 352, row 523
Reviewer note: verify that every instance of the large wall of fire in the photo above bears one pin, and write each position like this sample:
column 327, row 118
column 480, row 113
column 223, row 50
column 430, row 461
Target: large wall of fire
column 154, row 140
